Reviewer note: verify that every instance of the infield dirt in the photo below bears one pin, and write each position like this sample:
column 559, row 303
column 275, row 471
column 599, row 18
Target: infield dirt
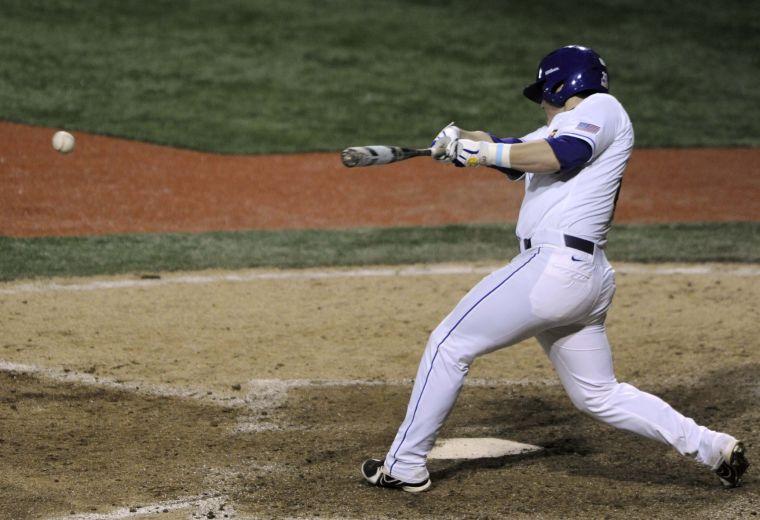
column 288, row 384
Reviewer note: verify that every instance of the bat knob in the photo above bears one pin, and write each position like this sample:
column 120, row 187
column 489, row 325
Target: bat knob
column 350, row 157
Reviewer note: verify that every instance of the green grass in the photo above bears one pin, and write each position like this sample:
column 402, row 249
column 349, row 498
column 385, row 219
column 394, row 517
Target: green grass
column 74, row 256
column 253, row 76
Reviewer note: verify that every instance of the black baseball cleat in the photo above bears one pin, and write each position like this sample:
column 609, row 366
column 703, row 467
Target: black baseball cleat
column 732, row 466
column 372, row 471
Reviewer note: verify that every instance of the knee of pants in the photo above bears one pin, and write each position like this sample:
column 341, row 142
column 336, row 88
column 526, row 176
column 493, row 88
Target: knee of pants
column 451, row 349
column 594, row 400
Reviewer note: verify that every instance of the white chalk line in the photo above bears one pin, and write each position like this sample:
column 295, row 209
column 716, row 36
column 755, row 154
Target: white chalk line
column 267, row 394
column 380, row 272
column 64, row 375
column 260, row 395
column 246, row 277
column 747, row 270
column 257, row 390
column 202, row 504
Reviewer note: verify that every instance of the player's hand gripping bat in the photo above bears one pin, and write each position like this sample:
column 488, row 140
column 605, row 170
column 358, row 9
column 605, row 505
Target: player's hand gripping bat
column 372, row 155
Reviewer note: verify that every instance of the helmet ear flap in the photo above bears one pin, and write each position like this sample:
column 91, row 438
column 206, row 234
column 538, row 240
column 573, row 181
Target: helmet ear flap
column 552, row 93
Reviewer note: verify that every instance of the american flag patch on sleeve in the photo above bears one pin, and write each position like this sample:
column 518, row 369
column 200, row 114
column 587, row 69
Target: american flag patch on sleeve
column 588, row 127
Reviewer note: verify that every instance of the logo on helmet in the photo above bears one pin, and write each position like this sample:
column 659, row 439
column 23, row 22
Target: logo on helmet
column 604, row 82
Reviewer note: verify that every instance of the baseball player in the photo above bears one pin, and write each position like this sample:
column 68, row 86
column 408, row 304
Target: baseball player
column 559, row 288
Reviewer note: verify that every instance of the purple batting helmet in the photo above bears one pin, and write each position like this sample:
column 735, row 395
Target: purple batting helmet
column 566, row 72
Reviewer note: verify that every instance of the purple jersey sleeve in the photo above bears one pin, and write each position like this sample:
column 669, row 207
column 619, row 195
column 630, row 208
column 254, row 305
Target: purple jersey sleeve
column 505, row 140
column 571, row 152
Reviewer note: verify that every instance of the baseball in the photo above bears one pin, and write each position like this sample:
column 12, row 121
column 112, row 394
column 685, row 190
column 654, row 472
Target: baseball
column 63, row 141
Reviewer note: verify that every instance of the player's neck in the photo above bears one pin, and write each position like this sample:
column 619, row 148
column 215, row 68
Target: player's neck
column 572, row 103
column 552, row 111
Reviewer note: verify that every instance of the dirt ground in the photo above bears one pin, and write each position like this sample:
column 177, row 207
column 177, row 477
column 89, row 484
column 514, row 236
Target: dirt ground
column 240, row 394
column 115, row 186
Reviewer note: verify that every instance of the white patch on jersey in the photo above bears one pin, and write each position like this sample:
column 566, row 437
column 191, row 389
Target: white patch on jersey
column 587, row 127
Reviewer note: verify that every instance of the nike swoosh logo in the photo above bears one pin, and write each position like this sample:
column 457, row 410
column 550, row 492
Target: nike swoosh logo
column 575, row 259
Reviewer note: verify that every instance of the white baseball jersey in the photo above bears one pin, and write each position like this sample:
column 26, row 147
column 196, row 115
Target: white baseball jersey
column 580, row 202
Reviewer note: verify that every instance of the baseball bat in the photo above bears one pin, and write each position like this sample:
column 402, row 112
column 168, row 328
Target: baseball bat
column 380, row 154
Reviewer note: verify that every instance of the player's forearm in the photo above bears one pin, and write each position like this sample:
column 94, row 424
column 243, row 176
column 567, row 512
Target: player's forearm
column 534, row 157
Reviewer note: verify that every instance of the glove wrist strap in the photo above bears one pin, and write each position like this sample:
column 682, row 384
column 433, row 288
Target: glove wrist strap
column 495, row 154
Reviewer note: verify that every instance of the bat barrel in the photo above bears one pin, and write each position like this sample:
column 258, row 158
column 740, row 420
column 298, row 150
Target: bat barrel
column 368, row 155
column 378, row 154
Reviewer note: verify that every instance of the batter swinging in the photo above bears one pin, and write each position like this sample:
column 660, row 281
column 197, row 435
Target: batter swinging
column 559, row 287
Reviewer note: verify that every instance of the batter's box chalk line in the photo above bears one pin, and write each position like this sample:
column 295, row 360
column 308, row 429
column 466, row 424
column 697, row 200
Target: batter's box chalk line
column 265, row 395
column 200, row 507
column 261, row 397
column 136, row 387
column 382, row 272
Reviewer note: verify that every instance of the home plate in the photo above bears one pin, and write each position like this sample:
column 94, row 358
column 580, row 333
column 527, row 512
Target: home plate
column 478, row 448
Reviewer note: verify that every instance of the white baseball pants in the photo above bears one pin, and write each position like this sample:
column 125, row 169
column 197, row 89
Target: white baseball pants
column 561, row 296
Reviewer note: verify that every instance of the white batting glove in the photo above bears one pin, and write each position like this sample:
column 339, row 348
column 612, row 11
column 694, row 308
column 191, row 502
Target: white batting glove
column 447, row 135
column 465, row 152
